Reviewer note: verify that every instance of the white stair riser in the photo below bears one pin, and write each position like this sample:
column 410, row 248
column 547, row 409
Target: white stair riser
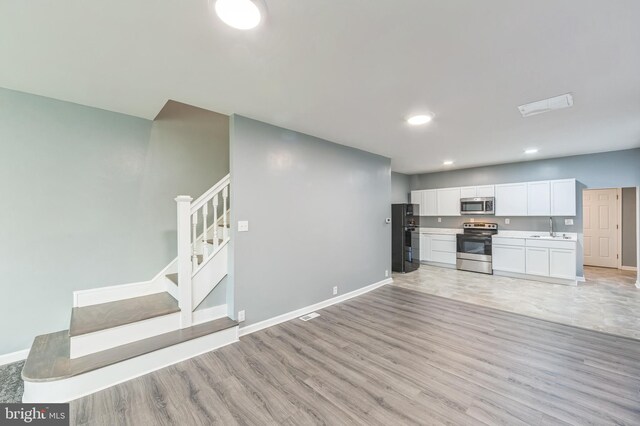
column 171, row 288
column 210, row 275
column 78, row 386
column 89, row 343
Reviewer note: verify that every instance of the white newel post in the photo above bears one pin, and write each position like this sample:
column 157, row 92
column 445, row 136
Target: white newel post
column 185, row 267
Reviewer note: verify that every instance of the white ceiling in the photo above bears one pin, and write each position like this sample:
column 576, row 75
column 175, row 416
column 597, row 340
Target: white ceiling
column 351, row 71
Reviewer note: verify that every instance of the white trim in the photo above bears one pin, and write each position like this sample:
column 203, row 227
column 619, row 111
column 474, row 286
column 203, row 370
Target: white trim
column 95, row 296
column 628, row 268
column 550, row 280
column 439, row 264
column 14, row 356
column 303, row 311
column 619, row 229
column 98, row 341
column 209, row 314
column 65, row 390
column 581, row 279
column 638, row 234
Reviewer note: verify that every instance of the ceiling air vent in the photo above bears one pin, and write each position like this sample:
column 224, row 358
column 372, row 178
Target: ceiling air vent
column 546, row 105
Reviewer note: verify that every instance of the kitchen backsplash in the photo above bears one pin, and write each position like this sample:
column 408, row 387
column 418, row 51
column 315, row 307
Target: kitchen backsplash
column 538, row 224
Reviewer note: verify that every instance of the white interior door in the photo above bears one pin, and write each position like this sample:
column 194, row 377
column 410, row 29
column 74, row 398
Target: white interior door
column 600, row 227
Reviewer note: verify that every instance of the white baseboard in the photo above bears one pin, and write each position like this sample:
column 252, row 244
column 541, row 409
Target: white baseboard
column 95, row 296
column 629, row 268
column 209, row 314
column 581, row 279
column 538, row 278
column 303, row 311
column 14, row 356
column 65, row 390
column 637, row 284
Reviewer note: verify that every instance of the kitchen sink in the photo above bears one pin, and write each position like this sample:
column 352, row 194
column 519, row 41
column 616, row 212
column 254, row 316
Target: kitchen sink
column 549, row 237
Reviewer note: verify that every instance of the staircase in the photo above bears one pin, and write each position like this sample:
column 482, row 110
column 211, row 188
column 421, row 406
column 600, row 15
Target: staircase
column 121, row 332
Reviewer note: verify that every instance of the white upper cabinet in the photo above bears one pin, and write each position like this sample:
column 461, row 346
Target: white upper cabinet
column 426, row 200
column 544, row 198
column 468, row 192
column 563, row 197
column 448, row 201
column 539, row 198
column 511, row 199
column 429, row 206
column 486, row 191
column 477, row 191
column 416, row 197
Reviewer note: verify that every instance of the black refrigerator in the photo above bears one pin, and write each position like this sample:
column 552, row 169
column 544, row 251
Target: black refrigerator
column 405, row 250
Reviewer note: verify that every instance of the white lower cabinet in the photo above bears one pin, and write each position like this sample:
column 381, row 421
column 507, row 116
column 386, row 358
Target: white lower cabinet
column 537, row 262
column 535, row 257
column 425, row 247
column 508, row 258
column 562, row 263
column 438, row 248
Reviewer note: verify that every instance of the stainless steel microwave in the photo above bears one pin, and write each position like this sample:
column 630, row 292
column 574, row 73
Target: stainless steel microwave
column 477, row 205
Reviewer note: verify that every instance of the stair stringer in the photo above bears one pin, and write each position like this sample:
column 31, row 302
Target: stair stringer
column 210, row 273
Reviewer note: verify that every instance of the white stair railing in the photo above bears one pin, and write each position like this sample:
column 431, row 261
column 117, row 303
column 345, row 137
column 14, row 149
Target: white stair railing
column 193, row 250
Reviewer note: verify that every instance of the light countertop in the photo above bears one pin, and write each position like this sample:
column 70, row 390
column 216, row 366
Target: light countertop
column 537, row 235
column 441, row 231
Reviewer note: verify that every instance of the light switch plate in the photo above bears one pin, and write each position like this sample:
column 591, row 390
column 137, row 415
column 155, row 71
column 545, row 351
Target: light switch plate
column 241, row 316
column 568, row 221
column 439, row 219
column 243, row 226
column 507, row 221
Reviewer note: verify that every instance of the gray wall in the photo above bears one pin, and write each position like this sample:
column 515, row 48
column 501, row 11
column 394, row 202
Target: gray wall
column 604, row 170
column 400, row 188
column 316, row 213
column 87, row 201
column 629, row 231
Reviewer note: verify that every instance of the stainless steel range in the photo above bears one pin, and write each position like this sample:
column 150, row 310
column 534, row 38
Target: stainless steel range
column 474, row 247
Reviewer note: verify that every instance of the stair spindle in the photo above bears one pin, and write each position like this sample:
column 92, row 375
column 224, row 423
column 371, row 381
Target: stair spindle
column 225, row 229
column 215, row 221
column 205, row 245
column 194, row 225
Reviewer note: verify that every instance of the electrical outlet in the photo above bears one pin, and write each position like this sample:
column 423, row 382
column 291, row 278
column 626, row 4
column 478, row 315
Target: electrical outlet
column 335, row 290
column 472, row 220
column 507, row 221
column 439, row 219
column 568, row 221
column 240, row 316
column 386, row 272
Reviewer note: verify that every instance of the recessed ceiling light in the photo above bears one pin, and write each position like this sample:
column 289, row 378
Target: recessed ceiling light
column 417, row 120
column 448, row 163
column 531, row 151
column 240, row 14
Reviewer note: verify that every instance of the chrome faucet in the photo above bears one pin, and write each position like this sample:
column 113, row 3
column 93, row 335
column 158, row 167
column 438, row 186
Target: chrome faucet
column 551, row 233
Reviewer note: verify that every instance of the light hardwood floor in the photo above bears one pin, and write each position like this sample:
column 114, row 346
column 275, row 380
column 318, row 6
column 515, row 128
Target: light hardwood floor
column 391, row 357
column 608, row 301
